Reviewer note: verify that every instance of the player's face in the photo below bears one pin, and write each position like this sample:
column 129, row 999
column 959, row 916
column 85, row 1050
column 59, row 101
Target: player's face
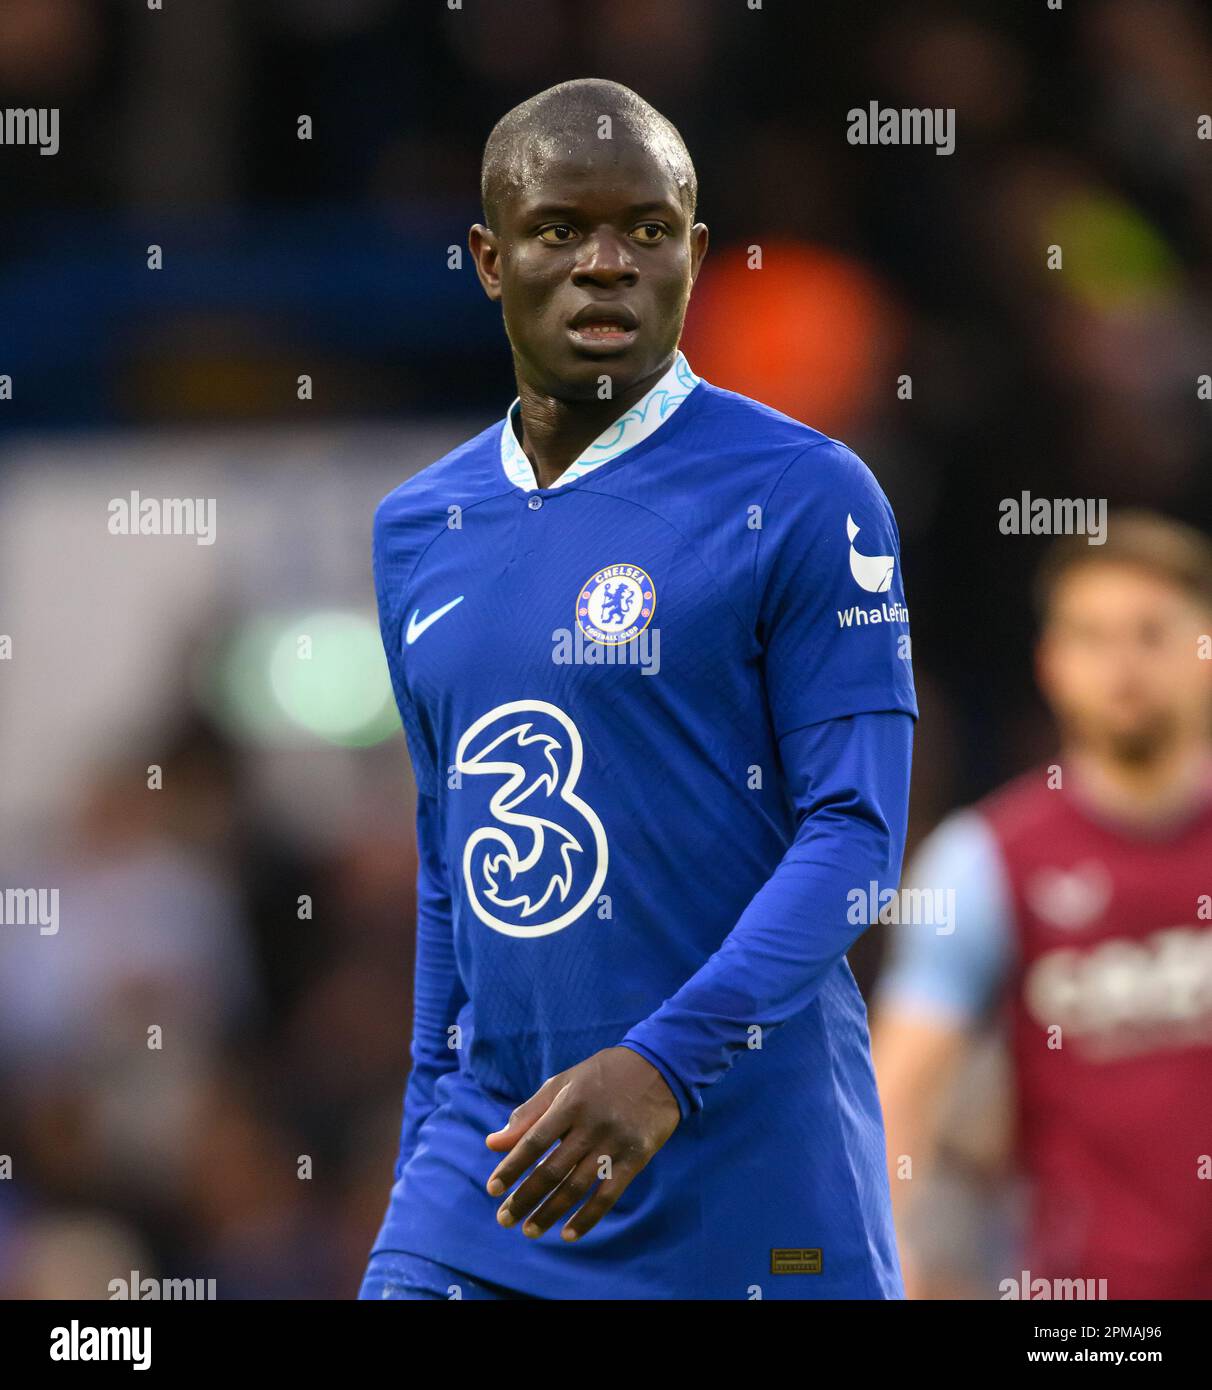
column 1119, row 661
column 593, row 262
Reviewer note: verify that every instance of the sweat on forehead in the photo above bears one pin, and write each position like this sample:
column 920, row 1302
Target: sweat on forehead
column 563, row 120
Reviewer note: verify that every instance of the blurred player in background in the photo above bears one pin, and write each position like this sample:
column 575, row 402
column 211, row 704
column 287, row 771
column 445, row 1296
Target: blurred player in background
column 1082, row 910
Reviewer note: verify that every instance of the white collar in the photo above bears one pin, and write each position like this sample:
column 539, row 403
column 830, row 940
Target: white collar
column 644, row 418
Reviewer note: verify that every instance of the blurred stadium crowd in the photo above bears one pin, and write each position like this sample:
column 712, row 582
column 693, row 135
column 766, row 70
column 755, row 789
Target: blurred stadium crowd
column 286, row 1034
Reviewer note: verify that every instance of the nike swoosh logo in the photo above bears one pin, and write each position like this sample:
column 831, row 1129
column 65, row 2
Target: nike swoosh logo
column 415, row 628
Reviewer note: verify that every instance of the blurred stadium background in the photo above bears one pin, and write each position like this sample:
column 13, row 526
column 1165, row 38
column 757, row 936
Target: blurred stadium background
column 286, row 1035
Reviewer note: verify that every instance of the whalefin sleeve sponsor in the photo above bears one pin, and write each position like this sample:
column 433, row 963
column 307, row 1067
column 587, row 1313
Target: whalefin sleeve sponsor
column 832, row 615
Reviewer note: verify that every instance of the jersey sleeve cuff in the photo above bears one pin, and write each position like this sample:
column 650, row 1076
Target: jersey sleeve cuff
column 687, row 1097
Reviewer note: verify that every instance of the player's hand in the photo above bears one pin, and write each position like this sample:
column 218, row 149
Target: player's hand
column 607, row 1116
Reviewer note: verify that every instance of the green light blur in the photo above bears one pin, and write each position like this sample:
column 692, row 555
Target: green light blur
column 329, row 676
column 320, row 675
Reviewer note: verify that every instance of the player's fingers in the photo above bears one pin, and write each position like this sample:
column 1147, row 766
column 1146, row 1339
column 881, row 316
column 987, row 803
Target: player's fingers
column 542, row 1181
column 599, row 1204
column 569, row 1193
column 525, row 1115
column 531, row 1147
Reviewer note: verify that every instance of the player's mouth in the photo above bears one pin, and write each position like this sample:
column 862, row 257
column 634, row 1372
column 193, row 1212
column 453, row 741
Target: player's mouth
column 601, row 329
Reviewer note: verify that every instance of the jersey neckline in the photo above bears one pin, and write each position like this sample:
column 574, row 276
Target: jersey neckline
column 633, row 427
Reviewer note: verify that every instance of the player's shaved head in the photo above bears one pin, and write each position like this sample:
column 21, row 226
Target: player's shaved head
column 556, row 120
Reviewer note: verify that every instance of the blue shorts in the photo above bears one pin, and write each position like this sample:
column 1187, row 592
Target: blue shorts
column 395, row 1274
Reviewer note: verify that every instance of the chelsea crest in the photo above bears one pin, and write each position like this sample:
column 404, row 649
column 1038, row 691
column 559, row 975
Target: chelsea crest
column 616, row 604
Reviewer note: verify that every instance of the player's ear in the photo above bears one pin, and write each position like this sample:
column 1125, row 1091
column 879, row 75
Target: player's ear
column 482, row 242
column 698, row 248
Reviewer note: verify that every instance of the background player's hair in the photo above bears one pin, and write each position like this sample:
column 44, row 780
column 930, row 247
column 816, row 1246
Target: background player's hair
column 570, row 109
column 1169, row 549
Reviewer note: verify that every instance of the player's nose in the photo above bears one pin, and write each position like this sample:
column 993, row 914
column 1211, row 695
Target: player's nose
column 605, row 259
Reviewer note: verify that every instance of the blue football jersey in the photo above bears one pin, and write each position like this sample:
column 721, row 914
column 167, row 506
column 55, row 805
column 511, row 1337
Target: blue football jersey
column 613, row 690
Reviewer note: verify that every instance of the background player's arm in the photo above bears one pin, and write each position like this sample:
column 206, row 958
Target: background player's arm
column 916, row 1057
column 438, row 992
column 938, row 987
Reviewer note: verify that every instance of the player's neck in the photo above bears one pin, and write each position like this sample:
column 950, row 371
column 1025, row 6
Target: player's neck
column 555, row 432
column 1161, row 789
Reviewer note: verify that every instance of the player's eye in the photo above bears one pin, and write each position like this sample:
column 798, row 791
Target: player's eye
column 649, row 233
column 558, row 234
